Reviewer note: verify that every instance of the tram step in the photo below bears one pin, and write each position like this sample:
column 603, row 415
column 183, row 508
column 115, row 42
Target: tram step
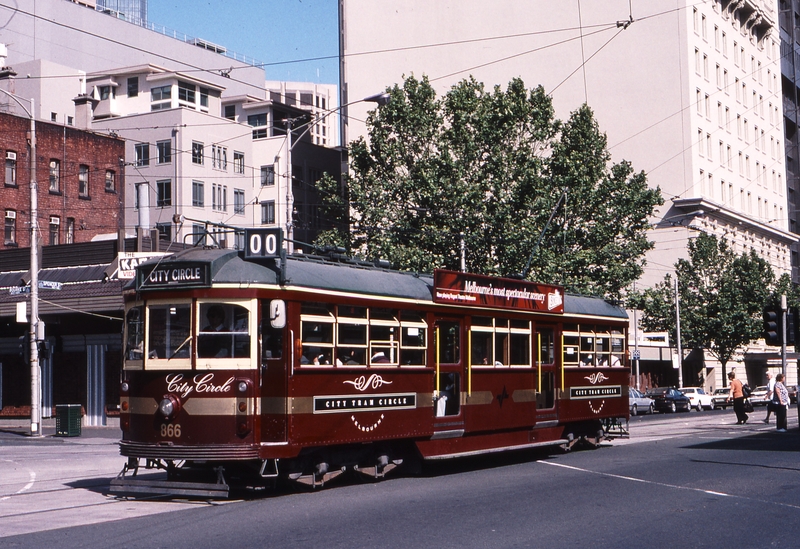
column 125, row 486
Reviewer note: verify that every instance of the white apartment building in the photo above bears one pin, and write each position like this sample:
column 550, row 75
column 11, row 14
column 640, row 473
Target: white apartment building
column 689, row 92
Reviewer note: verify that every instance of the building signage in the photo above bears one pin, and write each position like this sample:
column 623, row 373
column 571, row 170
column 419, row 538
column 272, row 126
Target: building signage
column 128, row 261
column 485, row 291
column 364, row 403
column 598, row 391
column 160, row 275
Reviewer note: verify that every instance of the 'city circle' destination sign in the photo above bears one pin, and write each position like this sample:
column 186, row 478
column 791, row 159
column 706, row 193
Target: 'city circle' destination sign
column 162, row 275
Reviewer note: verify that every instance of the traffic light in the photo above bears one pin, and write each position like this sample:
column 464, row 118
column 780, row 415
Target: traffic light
column 792, row 326
column 773, row 327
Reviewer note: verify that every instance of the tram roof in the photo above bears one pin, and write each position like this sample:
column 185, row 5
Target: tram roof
column 228, row 267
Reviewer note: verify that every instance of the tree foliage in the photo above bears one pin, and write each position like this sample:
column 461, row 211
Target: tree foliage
column 488, row 168
column 721, row 295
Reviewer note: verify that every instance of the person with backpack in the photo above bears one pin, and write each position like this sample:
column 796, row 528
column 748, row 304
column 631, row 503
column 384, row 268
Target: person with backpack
column 782, row 403
column 737, row 396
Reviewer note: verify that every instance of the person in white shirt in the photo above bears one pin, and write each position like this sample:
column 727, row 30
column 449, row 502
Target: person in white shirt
column 770, row 396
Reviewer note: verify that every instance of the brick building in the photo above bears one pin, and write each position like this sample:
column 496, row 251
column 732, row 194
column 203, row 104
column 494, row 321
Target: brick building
column 79, row 179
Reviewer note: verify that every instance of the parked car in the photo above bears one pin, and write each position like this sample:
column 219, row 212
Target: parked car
column 669, row 399
column 639, row 404
column 720, row 398
column 698, row 398
column 759, row 396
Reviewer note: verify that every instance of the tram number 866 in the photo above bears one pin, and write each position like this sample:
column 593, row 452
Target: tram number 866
column 170, row 430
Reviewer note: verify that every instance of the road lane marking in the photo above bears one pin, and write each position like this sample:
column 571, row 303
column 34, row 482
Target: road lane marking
column 665, row 485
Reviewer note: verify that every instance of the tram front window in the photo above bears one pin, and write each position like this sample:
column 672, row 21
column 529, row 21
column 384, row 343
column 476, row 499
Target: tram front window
column 169, row 331
column 225, row 331
column 134, row 333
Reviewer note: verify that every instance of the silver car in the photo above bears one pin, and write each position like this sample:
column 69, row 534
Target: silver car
column 639, row 404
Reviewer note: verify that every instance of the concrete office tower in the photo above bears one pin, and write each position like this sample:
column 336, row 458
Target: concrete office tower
column 689, row 92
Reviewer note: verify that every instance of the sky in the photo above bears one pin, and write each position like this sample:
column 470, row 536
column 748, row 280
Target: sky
column 278, row 33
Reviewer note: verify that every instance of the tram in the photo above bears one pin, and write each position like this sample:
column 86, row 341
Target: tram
column 249, row 368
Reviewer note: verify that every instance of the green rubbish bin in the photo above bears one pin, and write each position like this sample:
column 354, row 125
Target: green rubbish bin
column 68, row 420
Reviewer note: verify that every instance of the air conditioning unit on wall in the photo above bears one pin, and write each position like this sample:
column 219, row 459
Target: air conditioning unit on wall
column 11, row 155
column 11, row 214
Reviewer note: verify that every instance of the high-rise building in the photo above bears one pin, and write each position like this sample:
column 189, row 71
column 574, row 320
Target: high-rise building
column 134, row 11
column 690, row 93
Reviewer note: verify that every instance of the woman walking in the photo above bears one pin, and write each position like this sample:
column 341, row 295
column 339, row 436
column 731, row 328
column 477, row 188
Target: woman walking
column 781, row 404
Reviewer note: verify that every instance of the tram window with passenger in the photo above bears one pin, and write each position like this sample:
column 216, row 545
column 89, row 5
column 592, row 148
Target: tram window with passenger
column 353, row 336
column 498, row 343
column 589, row 345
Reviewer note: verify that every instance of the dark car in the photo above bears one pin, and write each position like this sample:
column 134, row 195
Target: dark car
column 668, row 399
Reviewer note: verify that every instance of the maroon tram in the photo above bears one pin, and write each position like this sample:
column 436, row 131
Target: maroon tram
column 303, row 367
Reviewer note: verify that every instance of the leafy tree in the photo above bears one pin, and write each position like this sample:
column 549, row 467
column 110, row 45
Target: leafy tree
column 488, row 169
column 721, row 294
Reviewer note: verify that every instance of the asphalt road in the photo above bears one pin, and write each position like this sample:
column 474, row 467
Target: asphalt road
column 680, row 480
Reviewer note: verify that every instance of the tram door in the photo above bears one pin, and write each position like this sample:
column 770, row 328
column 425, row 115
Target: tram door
column 449, row 376
column 547, row 373
column 274, row 364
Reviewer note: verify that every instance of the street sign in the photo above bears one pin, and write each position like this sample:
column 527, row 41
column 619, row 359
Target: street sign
column 49, row 285
column 636, row 354
column 19, row 290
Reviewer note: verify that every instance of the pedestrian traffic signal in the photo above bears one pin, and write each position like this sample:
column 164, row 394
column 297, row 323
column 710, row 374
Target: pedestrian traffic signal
column 773, row 327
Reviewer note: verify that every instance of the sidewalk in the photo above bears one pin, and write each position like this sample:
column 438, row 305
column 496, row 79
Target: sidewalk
column 18, row 430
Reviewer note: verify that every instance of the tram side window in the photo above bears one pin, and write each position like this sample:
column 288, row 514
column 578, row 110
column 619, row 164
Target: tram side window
column 588, row 345
column 412, row 340
column 500, row 342
column 134, row 333
column 351, row 336
column 570, row 349
column 225, row 332
column 169, row 331
column 316, row 329
column 448, row 400
column 617, row 348
column 271, row 338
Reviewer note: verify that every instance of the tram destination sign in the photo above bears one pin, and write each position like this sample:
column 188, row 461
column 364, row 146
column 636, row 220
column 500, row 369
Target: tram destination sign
column 190, row 274
column 455, row 288
column 263, row 243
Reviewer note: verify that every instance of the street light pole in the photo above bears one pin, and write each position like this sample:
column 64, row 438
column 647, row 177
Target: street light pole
column 36, row 386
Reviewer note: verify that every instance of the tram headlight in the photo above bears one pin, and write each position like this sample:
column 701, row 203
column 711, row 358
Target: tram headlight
column 242, row 387
column 166, row 407
column 124, row 387
column 169, row 406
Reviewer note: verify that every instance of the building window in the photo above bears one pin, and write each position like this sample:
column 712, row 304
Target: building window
column 186, row 92
column 164, row 152
column 106, row 92
column 69, row 233
column 55, row 173
column 164, row 193
column 238, row 162
column 111, row 184
column 230, row 112
column 133, row 86
column 11, row 169
column 164, row 231
column 70, row 121
column 142, row 154
column 267, row 176
column 83, row 180
column 219, row 197
column 198, row 194
column 219, row 157
column 53, row 117
column 238, row 201
column 161, row 98
column 259, row 123
column 10, row 234
column 55, row 223
column 198, row 233
column 197, row 152
column 268, row 212
column 204, row 97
